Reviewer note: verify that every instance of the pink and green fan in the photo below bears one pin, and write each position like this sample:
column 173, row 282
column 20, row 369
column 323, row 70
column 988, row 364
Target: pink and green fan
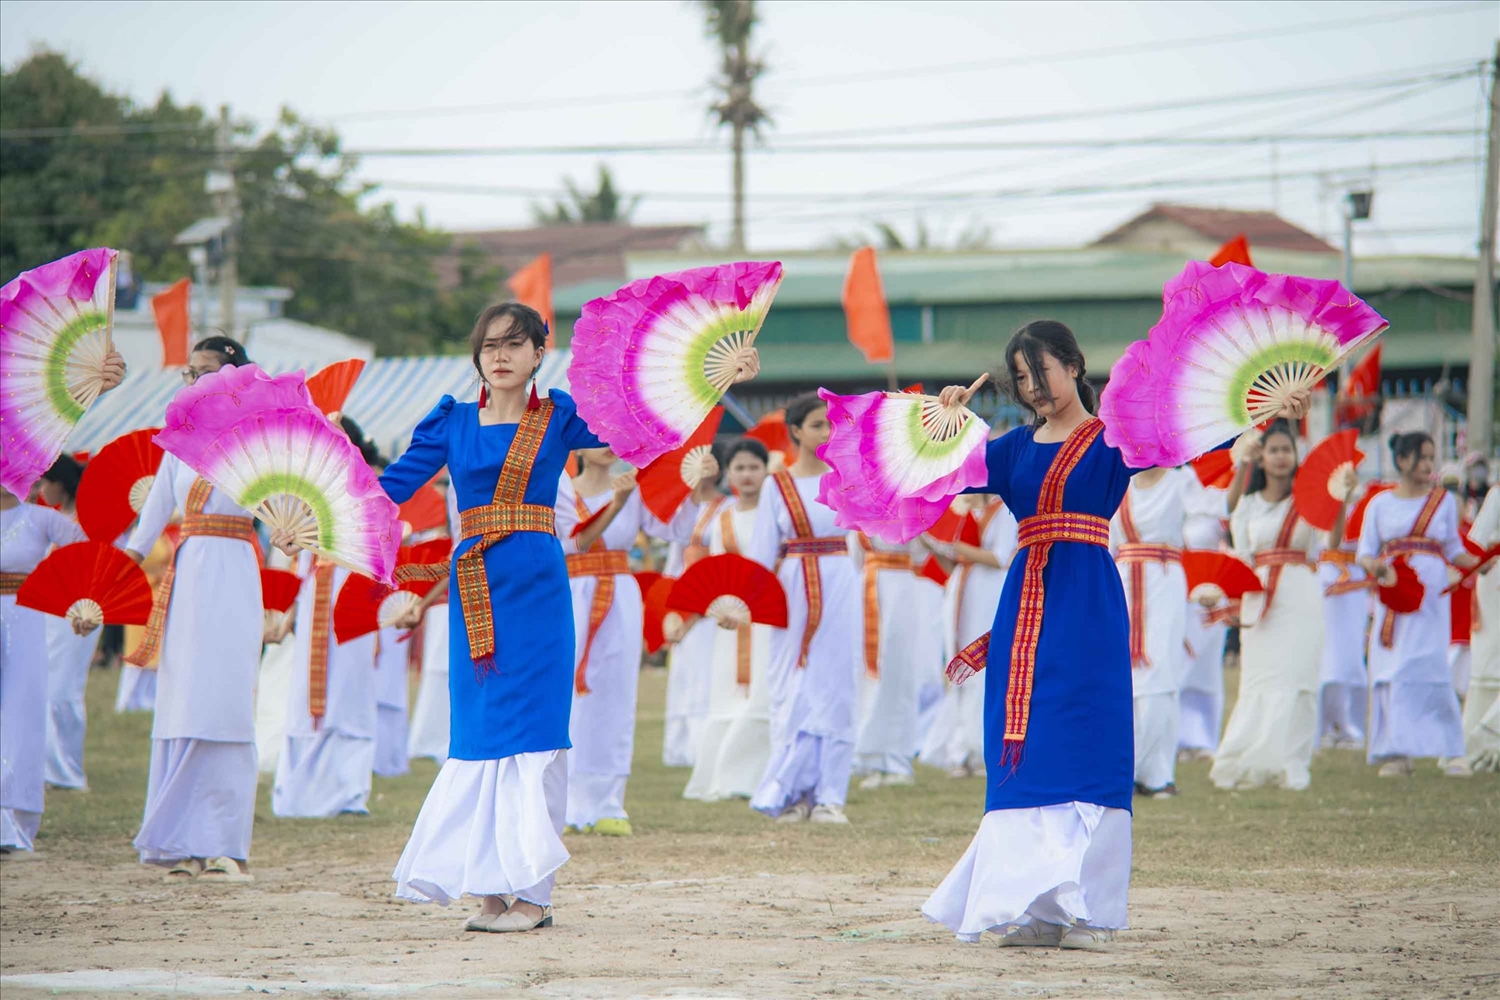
column 55, row 325
column 1233, row 345
column 651, row 360
column 896, row 461
column 289, row 466
column 221, row 399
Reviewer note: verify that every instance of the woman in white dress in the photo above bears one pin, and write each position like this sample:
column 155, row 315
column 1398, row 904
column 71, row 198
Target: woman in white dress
column 69, row 655
column 1201, row 699
column 1272, row 732
column 1482, row 702
column 956, row 741
column 928, row 645
column 1146, row 541
column 689, row 669
column 608, row 619
column 137, row 690
column 207, row 626
column 392, row 652
column 1343, row 681
column 1414, row 709
column 886, row 727
column 816, row 661
column 736, row 740
column 430, row 714
column 273, row 682
column 27, row 533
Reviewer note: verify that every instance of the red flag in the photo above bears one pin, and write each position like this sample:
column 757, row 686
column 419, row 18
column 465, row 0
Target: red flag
column 532, row 286
column 171, row 310
column 865, row 309
column 1236, row 250
column 1364, row 380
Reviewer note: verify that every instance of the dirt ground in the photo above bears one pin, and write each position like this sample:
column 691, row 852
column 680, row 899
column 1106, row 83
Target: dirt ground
column 1356, row 888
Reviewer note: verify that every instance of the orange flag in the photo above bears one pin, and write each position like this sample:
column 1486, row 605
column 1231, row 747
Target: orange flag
column 865, row 309
column 532, row 286
column 1236, row 250
column 171, row 310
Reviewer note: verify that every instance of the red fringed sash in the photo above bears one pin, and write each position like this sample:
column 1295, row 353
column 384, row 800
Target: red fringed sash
column 1136, row 554
column 1413, row 543
column 808, row 548
column 875, row 561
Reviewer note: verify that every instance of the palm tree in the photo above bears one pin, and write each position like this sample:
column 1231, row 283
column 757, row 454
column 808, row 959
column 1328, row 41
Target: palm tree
column 604, row 204
column 731, row 23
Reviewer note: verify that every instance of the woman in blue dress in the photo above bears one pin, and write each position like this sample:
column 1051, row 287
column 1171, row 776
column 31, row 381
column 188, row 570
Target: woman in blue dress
column 1050, row 865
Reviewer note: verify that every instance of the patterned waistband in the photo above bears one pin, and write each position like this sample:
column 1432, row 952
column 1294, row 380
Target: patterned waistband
column 815, row 547
column 1338, row 557
column 1411, row 546
column 611, row 562
column 1282, row 557
column 1043, row 529
column 10, row 583
column 1149, row 552
column 888, row 560
column 502, row 519
column 218, row 526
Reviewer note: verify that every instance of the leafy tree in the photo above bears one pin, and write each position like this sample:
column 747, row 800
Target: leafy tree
column 603, row 204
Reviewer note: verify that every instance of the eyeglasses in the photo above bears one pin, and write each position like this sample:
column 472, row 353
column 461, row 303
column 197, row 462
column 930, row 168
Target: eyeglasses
column 191, row 375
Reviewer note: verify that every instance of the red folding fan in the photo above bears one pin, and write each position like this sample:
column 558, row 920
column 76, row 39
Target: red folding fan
column 89, row 583
column 1221, row 570
column 667, row 481
column 115, row 484
column 655, row 589
column 365, row 605
column 1215, row 469
column 1355, row 522
column 771, row 431
column 279, row 589
column 726, row 584
column 955, row 527
column 427, row 509
column 1321, row 474
column 1405, row 595
column 330, row 388
column 933, row 570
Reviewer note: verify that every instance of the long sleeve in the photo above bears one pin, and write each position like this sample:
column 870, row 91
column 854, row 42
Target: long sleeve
column 567, row 514
column 1239, row 530
column 1002, row 535
column 63, row 530
column 679, row 530
column 1445, row 529
column 997, row 464
column 157, row 510
column 765, row 544
column 1370, row 540
column 575, row 433
column 427, row 454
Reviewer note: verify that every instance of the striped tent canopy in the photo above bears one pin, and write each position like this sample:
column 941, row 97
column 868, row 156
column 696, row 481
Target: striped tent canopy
column 388, row 401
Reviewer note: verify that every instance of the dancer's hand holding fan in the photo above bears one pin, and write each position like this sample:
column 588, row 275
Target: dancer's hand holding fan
column 732, row 590
column 115, row 484
column 278, row 592
column 1399, row 587
column 897, row 459
column 90, row 584
column 56, row 357
column 668, row 481
column 1234, row 347
column 655, row 589
column 651, row 360
column 365, row 605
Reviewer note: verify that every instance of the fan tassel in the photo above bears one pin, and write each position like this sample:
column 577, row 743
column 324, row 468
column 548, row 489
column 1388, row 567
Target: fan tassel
column 535, row 402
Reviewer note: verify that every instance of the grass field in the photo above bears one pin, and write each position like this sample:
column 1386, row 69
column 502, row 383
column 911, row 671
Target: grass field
column 1424, row 853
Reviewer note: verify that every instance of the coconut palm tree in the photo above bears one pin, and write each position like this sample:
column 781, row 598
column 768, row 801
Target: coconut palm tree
column 731, row 23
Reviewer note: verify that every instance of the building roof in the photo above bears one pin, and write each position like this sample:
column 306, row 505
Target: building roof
column 588, row 252
column 1264, row 230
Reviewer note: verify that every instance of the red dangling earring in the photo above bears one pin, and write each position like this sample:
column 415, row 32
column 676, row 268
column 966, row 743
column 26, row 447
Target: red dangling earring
column 535, row 403
column 484, row 395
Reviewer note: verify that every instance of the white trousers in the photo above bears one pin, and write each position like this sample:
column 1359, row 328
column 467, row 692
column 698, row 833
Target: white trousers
column 1156, row 733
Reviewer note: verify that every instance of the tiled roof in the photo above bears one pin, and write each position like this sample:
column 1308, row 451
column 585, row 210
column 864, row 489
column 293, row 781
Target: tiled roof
column 593, row 252
column 1264, row 230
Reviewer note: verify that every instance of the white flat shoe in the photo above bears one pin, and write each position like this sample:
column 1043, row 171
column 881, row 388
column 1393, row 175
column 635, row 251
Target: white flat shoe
column 797, row 812
column 829, row 814
column 1079, row 938
column 513, row 921
column 873, row 781
column 1039, row 935
column 480, row 921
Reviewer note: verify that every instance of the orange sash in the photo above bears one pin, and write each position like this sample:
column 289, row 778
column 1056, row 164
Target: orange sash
column 808, row 548
column 1280, row 555
column 603, row 565
column 1413, row 543
column 317, row 656
column 1136, row 554
column 1345, row 584
column 495, row 522
column 965, row 567
column 696, row 550
column 875, row 562
column 743, row 648
column 195, row 523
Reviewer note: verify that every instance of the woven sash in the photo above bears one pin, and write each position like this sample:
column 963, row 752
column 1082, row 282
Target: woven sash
column 1345, row 583
column 696, row 551
column 10, row 583
column 1038, row 533
column 603, row 565
column 195, row 524
column 807, row 548
column 743, row 649
column 1280, row 555
column 965, row 566
column 322, row 627
column 1414, row 543
column 875, row 562
column 1136, row 554
column 495, row 522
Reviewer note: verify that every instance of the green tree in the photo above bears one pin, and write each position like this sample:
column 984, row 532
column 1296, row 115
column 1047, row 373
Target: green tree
column 731, row 23
column 603, row 204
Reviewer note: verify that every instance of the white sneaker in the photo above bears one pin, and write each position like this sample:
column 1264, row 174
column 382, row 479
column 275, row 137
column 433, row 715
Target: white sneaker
column 1080, row 938
column 829, row 814
column 897, row 780
column 873, row 781
column 1396, row 767
column 1456, row 767
column 797, row 812
column 1038, row 935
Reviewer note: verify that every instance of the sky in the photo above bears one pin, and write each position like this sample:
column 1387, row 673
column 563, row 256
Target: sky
column 908, row 114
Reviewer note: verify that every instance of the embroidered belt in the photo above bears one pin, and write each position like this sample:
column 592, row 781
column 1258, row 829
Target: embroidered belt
column 1282, row 557
column 317, row 654
column 803, row 547
column 1133, row 552
column 1136, row 555
column 218, row 526
column 603, row 565
column 10, row 583
column 1044, row 529
column 610, row 562
column 876, row 561
column 505, row 519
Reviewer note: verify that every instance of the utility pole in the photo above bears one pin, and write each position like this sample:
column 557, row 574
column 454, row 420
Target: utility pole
column 1481, row 415
column 220, row 184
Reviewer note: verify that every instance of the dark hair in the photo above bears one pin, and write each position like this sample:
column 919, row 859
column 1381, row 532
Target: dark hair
column 65, row 472
column 524, row 321
column 1258, row 474
column 1051, row 337
column 1408, row 444
column 746, row 446
column 229, row 350
column 799, row 409
column 367, row 449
